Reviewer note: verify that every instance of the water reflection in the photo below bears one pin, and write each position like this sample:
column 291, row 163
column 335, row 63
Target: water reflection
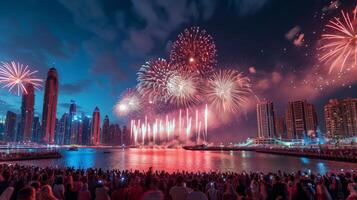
column 179, row 159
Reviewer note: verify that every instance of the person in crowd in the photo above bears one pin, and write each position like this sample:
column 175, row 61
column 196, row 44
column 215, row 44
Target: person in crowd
column 26, row 193
column 154, row 193
column 58, row 188
column 46, row 193
column 196, row 194
column 179, row 191
column 84, row 193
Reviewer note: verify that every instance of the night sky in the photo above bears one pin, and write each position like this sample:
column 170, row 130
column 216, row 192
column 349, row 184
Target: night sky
column 98, row 46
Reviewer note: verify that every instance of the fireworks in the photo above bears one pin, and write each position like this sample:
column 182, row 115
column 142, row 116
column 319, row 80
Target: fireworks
column 194, row 51
column 340, row 46
column 183, row 89
column 153, row 78
column 228, row 90
column 15, row 76
column 129, row 103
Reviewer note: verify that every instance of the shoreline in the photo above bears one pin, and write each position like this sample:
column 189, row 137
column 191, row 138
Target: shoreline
column 296, row 152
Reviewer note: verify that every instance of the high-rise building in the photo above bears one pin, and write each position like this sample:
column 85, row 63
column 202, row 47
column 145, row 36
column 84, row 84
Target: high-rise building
column 36, row 130
column 105, row 131
column 27, row 112
column 68, row 133
column 301, row 120
column 49, row 107
column 341, row 117
column 95, row 127
column 2, row 128
column 126, row 140
column 76, row 129
column 86, row 130
column 10, row 126
column 280, row 128
column 115, row 135
column 266, row 120
column 60, row 132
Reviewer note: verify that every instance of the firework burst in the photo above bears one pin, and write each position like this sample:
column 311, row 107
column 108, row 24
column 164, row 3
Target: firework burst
column 128, row 103
column 194, row 51
column 15, row 76
column 228, row 90
column 153, row 78
column 183, row 89
column 340, row 45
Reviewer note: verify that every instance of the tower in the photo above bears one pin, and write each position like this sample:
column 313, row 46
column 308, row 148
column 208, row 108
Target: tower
column 95, row 128
column 266, row 120
column 49, row 107
column 27, row 113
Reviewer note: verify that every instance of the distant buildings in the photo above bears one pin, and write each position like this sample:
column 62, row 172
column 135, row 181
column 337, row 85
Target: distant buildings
column 95, row 129
column 301, row 120
column 266, row 120
column 341, row 118
column 27, row 113
column 49, row 107
column 36, row 130
column 86, row 130
column 10, row 126
column 105, row 131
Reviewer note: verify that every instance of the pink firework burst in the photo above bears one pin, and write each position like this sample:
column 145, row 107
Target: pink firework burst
column 15, row 76
column 194, row 51
column 339, row 46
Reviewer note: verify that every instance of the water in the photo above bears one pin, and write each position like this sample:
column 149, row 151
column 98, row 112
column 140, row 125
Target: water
column 179, row 159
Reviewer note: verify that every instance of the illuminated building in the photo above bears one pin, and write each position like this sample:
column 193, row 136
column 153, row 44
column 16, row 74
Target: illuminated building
column 86, row 130
column 95, row 127
column 301, row 120
column 341, row 117
column 10, row 126
column 36, row 129
column 266, row 120
column 68, row 126
column 49, row 107
column 27, row 113
column 105, row 139
column 280, row 128
column 61, row 129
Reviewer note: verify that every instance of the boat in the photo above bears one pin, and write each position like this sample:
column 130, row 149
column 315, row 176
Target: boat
column 73, row 148
column 107, row 152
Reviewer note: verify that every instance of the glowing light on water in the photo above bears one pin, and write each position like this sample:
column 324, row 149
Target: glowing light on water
column 157, row 131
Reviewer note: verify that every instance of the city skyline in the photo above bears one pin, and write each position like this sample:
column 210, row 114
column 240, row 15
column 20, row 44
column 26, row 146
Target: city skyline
column 97, row 63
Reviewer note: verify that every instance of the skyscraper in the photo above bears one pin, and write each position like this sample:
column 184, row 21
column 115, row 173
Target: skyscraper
column 301, row 119
column 36, row 129
column 27, row 112
column 341, row 117
column 68, row 129
column 280, row 128
column 76, row 129
column 266, row 120
column 95, row 128
column 86, row 130
column 62, row 129
column 49, row 107
column 105, row 131
column 10, row 126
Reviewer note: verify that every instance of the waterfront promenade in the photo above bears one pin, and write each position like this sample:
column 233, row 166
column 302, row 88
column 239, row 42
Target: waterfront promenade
column 337, row 154
column 17, row 156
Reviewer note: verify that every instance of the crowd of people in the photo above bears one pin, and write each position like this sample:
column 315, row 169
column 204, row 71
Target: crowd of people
column 35, row 183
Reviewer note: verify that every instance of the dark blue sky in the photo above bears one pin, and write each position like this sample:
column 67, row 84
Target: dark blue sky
column 98, row 46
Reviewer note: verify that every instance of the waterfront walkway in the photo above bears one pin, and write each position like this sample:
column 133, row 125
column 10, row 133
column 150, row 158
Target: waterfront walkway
column 15, row 156
column 337, row 154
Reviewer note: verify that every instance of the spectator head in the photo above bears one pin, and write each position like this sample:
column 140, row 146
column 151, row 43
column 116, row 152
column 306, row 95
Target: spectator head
column 35, row 185
column 26, row 193
column 194, row 184
column 154, row 183
column 46, row 192
column 179, row 181
column 59, row 180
